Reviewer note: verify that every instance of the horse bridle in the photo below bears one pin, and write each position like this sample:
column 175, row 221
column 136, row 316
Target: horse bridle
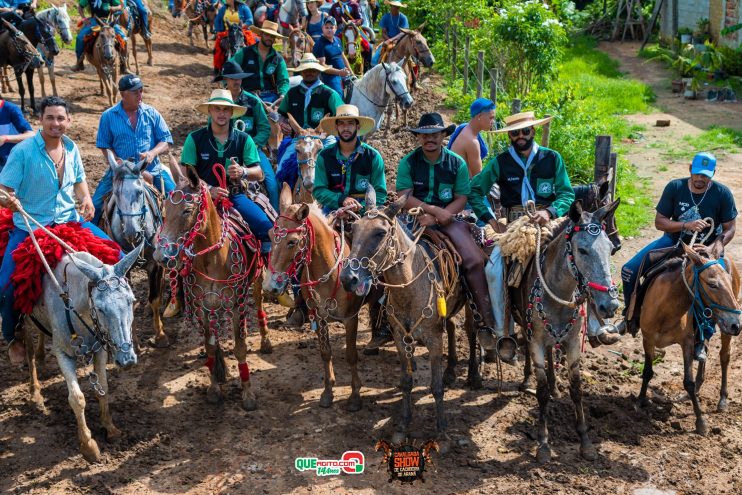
column 387, row 84
column 703, row 312
column 141, row 214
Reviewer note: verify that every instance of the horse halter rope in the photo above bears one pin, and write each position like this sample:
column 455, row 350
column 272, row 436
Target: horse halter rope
column 703, row 312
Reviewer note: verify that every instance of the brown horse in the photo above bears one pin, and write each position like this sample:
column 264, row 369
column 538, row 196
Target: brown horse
column 133, row 28
column 219, row 267
column 18, row 52
column 103, row 58
column 304, row 242
column 705, row 281
column 299, row 43
column 199, row 13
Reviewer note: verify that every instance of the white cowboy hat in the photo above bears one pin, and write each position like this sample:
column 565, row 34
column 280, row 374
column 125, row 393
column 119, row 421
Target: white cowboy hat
column 347, row 112
column 308, row 61
column 222, row 98
column 395, row 3
column 521, row 121
column 268, row 28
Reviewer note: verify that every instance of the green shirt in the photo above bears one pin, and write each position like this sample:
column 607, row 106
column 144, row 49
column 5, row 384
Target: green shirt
column 256, row 125
column 281, row 72
column 188, row 156
column 434, row 183
column 333, row 182
column 104, row 8
column 310, row 116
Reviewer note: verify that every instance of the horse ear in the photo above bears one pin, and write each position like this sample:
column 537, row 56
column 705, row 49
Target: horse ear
column 717, row 248
column 402, row 62
column 285, row 199
column 692, row 254
column 603, row 212
column 575, row 212
column 386, row 66
column 421, row 26
column 393, row 209
column 303, row 212
column 94, row 273
column 192, row 176
column 370, row 197
column 112, row 163
column 124, row 265
column 141, row 166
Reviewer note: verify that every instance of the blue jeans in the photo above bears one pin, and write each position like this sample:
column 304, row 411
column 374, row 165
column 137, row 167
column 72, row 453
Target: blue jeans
column 271, row 185
column 143, row 14
column 86, row 30
column 7, row 298
column 630, row 271
column 162, row 180
column 335, row 82
column 255, row 218
column 375, row 56
column 268, row 96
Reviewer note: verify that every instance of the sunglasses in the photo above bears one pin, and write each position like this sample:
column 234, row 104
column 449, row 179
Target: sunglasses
column 525, row 132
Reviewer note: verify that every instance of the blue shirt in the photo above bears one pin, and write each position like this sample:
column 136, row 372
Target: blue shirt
column 31, row 173
column 332, row 51
column 12, row 123
column 392, row 24
column 243, row 11
column 115, row 132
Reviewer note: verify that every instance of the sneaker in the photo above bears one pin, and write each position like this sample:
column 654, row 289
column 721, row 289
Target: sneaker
column 377, row 341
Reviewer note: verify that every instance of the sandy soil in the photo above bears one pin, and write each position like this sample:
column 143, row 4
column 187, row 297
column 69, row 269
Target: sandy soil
column 174, row 442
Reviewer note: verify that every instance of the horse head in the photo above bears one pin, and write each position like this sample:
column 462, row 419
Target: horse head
column 418, row 47
column 589, row 254
column 307, row 149
column 236, row 38
column 396, row 82
column 374, row 240
column 713, row 282
column 111, row 301
column 47, row 38
column 61, row 21
column 107, row 42
column 179, row 6
column 350, row 35
column 593, row 197
column 297, row 46
column 290, row 238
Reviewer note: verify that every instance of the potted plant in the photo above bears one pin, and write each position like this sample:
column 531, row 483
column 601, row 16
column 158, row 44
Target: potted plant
column 685, row 35
column 702, row 33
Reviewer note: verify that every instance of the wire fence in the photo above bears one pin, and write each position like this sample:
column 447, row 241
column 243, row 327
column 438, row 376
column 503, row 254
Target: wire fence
column 473, row 73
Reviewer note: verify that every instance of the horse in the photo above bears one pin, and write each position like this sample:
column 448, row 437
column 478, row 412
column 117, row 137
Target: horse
column 702, row 286
column 15, row 56
column 299, row 43
column 377, row 88
column 422, row 295
column 199, row 13
column 303, row 241
column 132, row 217
column 232, row 43
column 289, row 15
column 582, row 249
column 132, row 23
column 350, row 35
column 220, row 267
column 57, row 19
column 307, row 149
column 103, row 58
column 96, row 319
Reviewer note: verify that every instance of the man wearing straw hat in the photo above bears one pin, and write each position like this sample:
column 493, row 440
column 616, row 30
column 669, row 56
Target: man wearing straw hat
column 525, row 172
column 271, row 79
column 219, row 142
column 438, row 181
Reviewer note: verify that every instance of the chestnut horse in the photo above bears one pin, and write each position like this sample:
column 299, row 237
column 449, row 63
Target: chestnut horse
column 220, row 267
column 198, row 13
column 703, row 286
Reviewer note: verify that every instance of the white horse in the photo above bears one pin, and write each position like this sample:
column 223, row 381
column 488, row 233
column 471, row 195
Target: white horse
column 380, row 86
column 58, row 20
column 291, row 12
column 99, row 315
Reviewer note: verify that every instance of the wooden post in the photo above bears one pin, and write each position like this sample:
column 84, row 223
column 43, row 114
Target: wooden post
column 515, row 106
column 466, row 64
column 614, row 178
column 454, row 53
column 545, row 132
column 493, row 85
column 480, row 72
column 602, row 157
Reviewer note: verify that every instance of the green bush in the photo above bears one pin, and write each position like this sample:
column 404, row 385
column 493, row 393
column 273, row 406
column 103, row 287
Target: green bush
column 731, row 60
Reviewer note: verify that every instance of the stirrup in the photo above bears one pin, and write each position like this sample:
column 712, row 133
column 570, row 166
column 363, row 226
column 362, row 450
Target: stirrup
column 507, row 348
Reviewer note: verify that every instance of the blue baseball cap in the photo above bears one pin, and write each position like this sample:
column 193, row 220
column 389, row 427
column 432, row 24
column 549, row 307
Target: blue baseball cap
column 704, row 163
column 481, row 105
column 130, row 82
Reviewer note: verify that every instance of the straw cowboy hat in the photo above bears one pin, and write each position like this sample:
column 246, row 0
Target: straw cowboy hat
column 347, row 112
column 222, row 98
column 395, row 4
column 308, row 61
column 431, row 123
column 269, row 27
column 521, row 121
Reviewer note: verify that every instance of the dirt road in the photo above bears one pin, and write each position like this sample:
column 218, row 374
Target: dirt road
column 174, row 442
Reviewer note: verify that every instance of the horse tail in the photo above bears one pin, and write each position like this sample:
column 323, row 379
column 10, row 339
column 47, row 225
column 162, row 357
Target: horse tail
column 220, row 366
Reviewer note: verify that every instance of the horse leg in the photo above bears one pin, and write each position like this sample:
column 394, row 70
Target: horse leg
column 21, row 88
column 249, row 401
column 648, row 373
column 34, row 385
column 88, row 446
column 550, row 375
column 134, row 52
column 29, row 81
column 40, row 70
column 726, row 342
column 474, row 377
column 405, row 384
column 190, row 33
column 435, row 350
column 527, row 382
column 690, row 386
column 214, row 394
column 323, row 337
column 351, row 355
column 543, row 454
column 40, row 353
column 449, row 375
column 52, row 77
column 266, row 347
column 148, row 46
column 574, row 351
column 100, row 360
column 205, row 29
column 156, row 277
column 6, row 87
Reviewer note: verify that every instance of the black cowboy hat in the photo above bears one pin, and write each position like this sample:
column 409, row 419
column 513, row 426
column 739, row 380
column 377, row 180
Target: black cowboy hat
column 232, row 70
column 431, row 123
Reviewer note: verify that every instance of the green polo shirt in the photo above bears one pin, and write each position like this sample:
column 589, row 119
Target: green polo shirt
column 435, row 183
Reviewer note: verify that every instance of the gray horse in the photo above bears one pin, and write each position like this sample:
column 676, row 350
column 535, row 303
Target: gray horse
column 97, row 321
column 134, row 217
column 380, row 86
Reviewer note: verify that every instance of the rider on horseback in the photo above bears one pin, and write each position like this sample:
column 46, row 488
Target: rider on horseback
column 271, row 79
column 346, row 11
column 547, row 185
column 391, row 25
column 232, row 12
column 143, row 13
column 43, row 176
column 100, row 10
column 255, row 122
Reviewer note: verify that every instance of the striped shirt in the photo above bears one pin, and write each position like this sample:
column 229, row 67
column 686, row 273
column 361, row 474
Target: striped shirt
column 31, row 173
column 115, row 132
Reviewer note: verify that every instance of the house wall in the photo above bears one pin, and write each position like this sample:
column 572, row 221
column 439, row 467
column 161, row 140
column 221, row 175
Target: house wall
column 732, row 11
column 689, row 13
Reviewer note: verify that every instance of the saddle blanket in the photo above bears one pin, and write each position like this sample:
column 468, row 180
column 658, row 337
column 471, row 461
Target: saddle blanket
column 29, row 269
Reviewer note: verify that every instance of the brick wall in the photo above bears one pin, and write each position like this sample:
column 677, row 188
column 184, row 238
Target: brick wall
column 732, row 16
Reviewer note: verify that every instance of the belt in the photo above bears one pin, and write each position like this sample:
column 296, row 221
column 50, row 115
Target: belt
column 515, row 212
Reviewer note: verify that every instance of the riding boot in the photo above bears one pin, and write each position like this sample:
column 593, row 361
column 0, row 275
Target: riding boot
column 80, row 66
column 124, row 64
column 299, row 314
column 699, row 351
column 381, row 335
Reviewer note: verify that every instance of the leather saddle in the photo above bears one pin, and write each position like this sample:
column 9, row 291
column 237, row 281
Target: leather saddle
column 655, row 263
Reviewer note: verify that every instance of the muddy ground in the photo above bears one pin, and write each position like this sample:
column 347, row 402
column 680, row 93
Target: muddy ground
column 175, row 442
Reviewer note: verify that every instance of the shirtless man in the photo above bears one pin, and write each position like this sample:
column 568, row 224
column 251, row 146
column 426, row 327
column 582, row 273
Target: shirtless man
column 466, row 141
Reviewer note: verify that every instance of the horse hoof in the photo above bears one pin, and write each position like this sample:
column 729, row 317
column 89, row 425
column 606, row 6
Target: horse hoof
column 250, row 404
column 641, row 404
column 526, row 385
column 266, row 347
column 588, row 452
column 325, row 400
column 722, row 406
column 701, row 427
column 160, row 342
column 214, row 395
column 354, row 403
column 113, row 435
column 449, row 377
column 90, row 451
column 543, row 454
column 475, row 382
column 444, row 444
